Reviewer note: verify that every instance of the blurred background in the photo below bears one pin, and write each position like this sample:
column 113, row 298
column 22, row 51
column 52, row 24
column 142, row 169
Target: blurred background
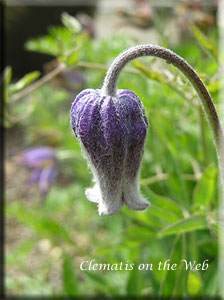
column 53, row 51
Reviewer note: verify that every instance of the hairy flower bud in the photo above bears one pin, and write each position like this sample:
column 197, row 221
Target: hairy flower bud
column 111, row 132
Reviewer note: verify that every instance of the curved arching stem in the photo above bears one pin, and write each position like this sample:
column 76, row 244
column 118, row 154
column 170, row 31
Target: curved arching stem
column 110, row 86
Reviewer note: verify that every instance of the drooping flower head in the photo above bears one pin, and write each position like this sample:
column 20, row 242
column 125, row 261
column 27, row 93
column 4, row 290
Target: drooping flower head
column 111, row 126
column 111, row 131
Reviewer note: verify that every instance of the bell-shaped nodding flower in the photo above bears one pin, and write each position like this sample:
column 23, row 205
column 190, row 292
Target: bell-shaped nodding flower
column 111, row 131
column 111, row 126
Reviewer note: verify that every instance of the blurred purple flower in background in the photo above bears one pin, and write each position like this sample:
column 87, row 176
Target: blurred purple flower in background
column 42, row 162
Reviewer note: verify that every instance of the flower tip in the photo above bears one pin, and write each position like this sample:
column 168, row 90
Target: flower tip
column 93, row 194
column 108, row 209
column 138, row 205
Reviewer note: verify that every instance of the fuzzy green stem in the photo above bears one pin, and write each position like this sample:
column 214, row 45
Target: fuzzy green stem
column 110, row 86
column 203, row 137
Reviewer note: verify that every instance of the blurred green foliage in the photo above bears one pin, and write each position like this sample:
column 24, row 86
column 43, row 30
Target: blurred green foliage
column 178, row 177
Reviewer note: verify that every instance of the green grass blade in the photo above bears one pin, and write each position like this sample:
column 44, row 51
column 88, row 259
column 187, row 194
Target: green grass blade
column 70, row 282
column 192, row 223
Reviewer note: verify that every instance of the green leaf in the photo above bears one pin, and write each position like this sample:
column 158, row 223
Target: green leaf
column 139, row 234
column 96, row 278
column 209, row 246
column 134, row 282
column 144, row 219
column 46, row 44
column 204, row 190
column 17, row 255
column 40, row 223
column 172, row 156
column 162, row 214
column 23, row 82
column 167, row 284
column 57, row 42
column 100, row 282
column 166, row 203
column 70, row 281
column 70, row 59
column 194, row 283
column 71, row 23
column 192, row 223
column 163, row 208
column 180, row 283
column 211, row 282
column 215, row 86
column 205, row 42
column 7, row 75
column 151, row 74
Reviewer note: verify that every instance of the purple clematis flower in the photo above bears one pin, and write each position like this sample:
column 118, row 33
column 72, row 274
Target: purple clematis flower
column 111, row 132
column 42, row 162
